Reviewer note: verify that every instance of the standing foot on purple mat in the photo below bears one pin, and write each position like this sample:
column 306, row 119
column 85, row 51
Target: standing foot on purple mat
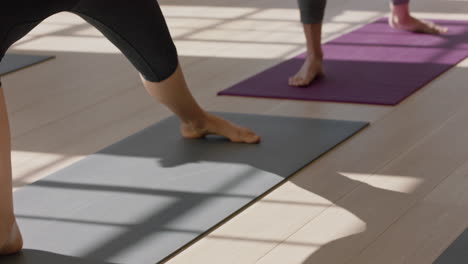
column 10, row 240
column 310, row 70
column 211, row 124
column 400, row 18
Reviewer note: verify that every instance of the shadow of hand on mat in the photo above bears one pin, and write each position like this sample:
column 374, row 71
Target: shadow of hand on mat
column 30, row 256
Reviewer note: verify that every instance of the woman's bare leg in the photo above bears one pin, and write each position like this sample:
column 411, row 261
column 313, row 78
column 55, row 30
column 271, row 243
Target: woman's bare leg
column 10, row 236
column 195, row 122
column 312, row 66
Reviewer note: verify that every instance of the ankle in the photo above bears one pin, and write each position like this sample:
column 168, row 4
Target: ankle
column 314, row 60
column 196, row 122
column 314, row 57
column 400, row 13
column 7, row 226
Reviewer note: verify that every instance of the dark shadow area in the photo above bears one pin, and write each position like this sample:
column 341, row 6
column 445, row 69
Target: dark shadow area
column 29, row 256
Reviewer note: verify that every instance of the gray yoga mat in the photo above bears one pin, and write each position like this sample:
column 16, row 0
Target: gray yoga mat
column 15, row 62
column 456, row 253
column 143, row 198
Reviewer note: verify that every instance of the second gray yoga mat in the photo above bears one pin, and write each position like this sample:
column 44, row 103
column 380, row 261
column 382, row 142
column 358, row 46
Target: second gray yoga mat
column 143, row 198
column 457, row 253
column 15, row 62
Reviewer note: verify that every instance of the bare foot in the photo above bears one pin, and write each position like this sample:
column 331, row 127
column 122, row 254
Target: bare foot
column 401, row 18
column 13, row 242
column 415, row 25
column 310, row 70
column 218, row 126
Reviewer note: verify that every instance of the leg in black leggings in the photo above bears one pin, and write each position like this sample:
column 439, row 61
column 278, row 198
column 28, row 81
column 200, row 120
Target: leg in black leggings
column 137, row 28
column 312, row 11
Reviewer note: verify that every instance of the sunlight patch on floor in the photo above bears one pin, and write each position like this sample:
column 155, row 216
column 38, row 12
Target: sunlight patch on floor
column 395, row 183
column 355, row 16
column 316, row 234
column 277, row 14
column 205, row 11
column 463, row 64
column 240, row 50
column 437, row 15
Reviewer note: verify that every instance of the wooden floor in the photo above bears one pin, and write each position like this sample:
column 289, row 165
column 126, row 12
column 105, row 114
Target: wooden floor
column 394, row 193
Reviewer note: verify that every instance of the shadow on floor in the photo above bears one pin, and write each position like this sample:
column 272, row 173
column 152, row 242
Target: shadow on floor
column 29, row 256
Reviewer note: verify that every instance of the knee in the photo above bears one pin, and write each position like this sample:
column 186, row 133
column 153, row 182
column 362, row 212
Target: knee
column 162, row 67
column 312, row 11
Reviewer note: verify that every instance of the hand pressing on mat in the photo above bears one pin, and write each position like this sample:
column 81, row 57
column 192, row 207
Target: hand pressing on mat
column 195, row 122
column 312, row 67
column 400, row 18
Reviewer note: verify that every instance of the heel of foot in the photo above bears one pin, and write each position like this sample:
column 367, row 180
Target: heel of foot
column 13, row 243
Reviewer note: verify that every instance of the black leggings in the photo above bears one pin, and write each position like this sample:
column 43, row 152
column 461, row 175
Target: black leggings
column 136, row 27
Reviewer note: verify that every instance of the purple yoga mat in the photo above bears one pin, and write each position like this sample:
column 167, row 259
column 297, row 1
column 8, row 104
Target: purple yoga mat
column 371, row 65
